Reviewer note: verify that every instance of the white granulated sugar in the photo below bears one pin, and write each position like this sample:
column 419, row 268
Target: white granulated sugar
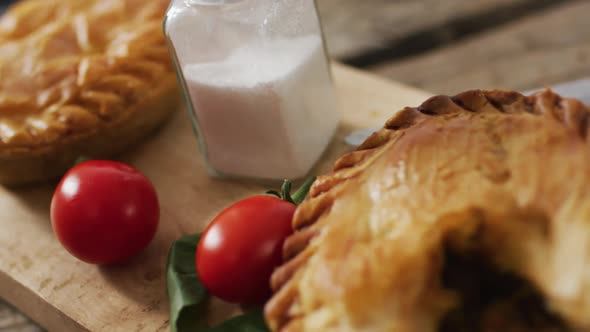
column 267, row 110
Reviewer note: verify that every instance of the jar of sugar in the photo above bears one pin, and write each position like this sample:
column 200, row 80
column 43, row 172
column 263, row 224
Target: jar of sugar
column 257, row 84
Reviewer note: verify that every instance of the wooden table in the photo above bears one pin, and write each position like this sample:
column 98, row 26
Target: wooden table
column 445, row 47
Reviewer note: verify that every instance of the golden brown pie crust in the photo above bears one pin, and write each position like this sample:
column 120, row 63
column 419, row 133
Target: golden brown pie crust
column 492, row 172
column 79, row 78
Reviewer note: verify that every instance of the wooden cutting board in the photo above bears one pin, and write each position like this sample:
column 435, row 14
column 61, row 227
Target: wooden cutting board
column 63, row 294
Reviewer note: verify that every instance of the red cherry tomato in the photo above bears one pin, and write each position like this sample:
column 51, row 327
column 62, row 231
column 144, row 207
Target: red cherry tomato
column 242, row 246
column 104, row 212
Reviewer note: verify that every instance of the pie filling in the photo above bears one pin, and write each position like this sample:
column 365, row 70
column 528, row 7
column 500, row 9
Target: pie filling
column 491, row 300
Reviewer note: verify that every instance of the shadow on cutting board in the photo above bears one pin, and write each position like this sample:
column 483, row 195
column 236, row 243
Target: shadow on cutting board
column 37, row 200
column 142, row 279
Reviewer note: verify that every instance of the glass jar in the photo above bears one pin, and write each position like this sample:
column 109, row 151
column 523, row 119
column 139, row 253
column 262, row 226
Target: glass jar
column 257, row 84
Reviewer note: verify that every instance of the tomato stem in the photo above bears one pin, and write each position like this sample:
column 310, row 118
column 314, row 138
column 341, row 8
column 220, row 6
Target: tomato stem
column 286, row 191
column 274, row 193
column 298, row 197
column 302, row 192
column 81, row 159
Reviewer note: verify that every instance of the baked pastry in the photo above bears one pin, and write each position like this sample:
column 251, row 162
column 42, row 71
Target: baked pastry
column 79, row 78
column 467, row 213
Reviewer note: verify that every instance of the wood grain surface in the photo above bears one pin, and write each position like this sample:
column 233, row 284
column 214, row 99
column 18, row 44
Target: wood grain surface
column 354, row 27
column 64, row 294
column 540, row 50
column 537, row 48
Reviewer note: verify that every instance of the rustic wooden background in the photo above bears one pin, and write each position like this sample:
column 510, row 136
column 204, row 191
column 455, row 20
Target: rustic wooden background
column 446, row 47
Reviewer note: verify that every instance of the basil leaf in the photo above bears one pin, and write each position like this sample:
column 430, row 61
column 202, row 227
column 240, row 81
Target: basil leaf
column 188, row 297
column 252, row 321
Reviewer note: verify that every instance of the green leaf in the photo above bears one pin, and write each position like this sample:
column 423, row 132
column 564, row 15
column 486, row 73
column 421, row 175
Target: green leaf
column 252, row 321
column 188, row 297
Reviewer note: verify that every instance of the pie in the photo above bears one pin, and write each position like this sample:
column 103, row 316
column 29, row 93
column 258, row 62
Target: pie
column 467, row 213
column 79, row 78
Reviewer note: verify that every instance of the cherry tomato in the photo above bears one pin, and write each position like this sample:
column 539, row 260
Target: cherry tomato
column 104, row 212
column 242, row 246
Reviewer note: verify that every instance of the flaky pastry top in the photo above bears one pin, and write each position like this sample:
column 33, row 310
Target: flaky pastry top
column 495, row 172
column 70, row 67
